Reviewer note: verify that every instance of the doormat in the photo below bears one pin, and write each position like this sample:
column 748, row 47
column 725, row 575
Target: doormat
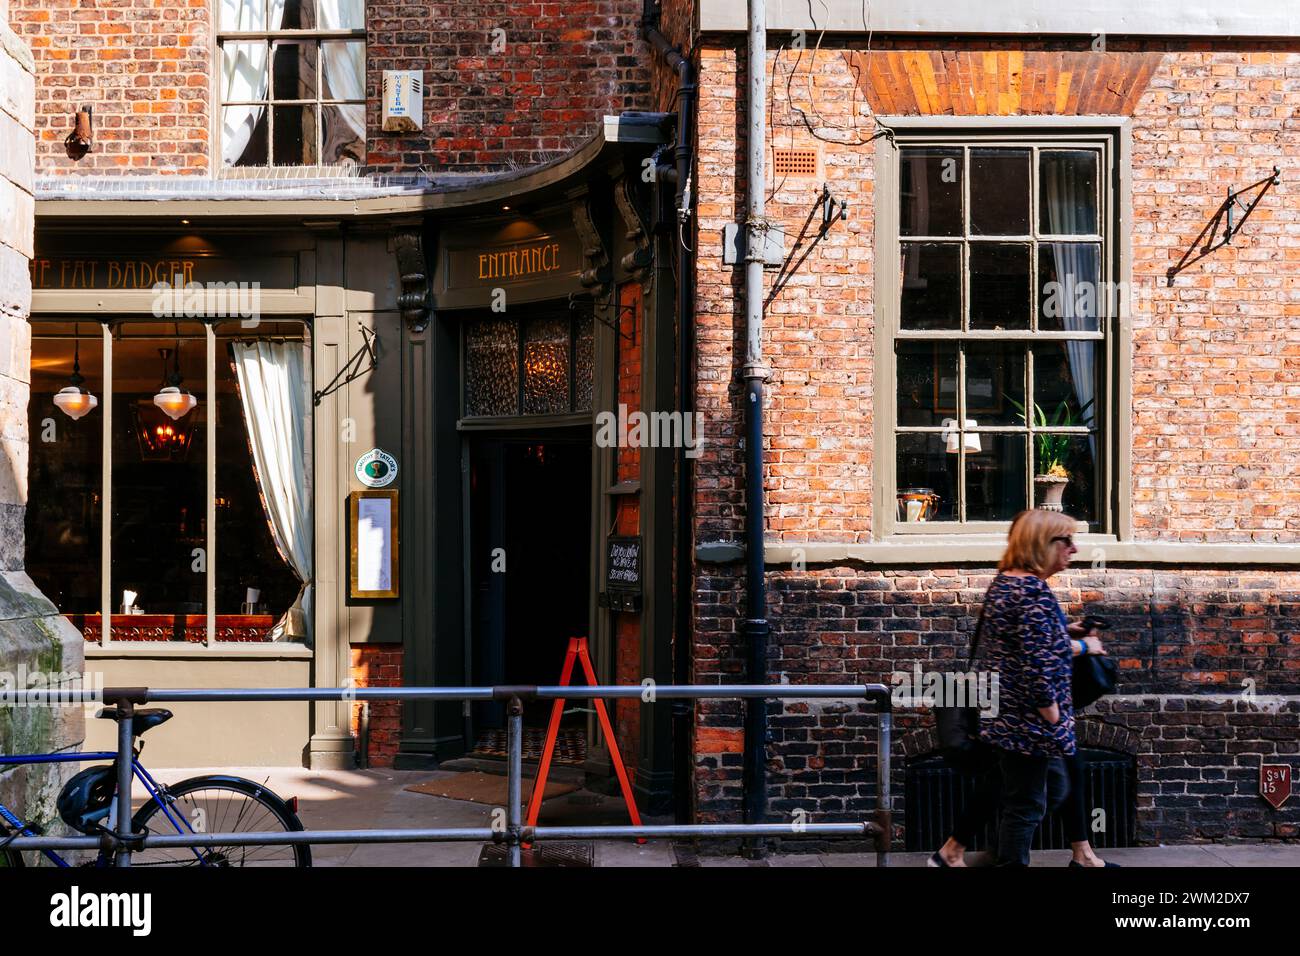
column 490, row 788
column 541, row 854
column 570, row 745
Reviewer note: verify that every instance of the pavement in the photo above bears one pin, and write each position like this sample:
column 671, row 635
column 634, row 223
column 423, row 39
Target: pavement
column 377, row 799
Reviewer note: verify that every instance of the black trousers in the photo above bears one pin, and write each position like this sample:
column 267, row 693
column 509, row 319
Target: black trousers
column 983, row 803
column 1031, row 786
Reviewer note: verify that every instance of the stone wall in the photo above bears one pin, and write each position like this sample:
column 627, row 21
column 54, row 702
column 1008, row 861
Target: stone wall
column 34, row 638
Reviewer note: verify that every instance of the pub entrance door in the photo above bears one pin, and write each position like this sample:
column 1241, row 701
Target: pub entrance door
column 529, row 533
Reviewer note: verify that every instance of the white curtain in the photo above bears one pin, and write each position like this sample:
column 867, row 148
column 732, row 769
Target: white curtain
column 275, row 391
column 1076, row 264
column 244, row 73
column 343, row 65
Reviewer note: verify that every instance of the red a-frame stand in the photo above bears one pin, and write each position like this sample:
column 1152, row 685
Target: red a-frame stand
column 577, row 653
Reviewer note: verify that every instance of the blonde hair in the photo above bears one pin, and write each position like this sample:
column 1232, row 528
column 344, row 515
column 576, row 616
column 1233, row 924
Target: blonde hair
column 1029, row 542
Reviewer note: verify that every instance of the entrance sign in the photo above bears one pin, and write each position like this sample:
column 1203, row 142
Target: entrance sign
column 373, row 523
column 376, row 468
column 1275, row 783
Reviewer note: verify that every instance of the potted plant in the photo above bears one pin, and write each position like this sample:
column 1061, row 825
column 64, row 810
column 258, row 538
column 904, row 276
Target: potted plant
column 1051, row 449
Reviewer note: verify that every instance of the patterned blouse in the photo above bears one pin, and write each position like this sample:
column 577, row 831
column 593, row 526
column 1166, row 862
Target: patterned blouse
column 1025, row 642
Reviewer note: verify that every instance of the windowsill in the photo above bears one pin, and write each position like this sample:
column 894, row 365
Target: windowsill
column 947, row 549
column 177, row 650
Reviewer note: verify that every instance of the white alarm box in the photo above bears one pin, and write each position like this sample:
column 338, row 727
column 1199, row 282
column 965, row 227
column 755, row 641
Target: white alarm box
column 403, row 100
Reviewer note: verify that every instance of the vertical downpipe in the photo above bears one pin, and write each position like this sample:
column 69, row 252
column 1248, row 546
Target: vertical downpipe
column 755, row 372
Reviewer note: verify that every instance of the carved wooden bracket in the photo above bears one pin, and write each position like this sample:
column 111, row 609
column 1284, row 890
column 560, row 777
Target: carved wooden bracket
column 413, row 301
column 594, row 253
column 636, row 216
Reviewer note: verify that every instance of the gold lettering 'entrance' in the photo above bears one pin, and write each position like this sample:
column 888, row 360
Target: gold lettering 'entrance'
column 517, row 263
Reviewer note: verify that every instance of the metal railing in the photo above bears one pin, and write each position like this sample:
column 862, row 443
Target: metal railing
column 123, row 842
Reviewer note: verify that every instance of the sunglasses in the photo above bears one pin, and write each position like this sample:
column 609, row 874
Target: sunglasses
column 1066, row 540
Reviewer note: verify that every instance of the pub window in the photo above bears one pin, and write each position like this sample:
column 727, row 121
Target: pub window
column 292, row 82
column 173, row 515
column 1001, row 332
column 541, row 365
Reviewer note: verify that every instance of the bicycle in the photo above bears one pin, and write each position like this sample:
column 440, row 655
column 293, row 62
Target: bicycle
column 201, row 804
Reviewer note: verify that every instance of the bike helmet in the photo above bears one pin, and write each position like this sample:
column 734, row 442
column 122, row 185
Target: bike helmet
column 87, row 798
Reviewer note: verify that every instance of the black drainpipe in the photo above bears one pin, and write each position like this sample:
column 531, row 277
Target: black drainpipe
column 682, row 710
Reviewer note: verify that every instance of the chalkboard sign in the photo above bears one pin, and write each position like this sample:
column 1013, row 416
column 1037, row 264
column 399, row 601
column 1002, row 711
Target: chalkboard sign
column 623, row 564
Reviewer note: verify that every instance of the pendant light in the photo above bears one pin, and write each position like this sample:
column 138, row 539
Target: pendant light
column 174, row 401
column 73, row 400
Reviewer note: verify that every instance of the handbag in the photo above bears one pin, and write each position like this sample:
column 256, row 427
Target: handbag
column 1095, row 676
column 958, row 728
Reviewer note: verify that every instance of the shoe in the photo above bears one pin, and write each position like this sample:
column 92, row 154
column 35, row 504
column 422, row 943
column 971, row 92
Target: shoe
column 1082, row 867
column 937, row 860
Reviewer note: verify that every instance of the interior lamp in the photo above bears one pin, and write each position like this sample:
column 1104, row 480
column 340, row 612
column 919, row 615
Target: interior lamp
column 174, row 401
column 953, row 436
column 73, row 400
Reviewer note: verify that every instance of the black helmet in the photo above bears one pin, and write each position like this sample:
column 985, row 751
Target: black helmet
column 87, row 798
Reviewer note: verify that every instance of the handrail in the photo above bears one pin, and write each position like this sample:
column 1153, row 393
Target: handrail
column 514, row 834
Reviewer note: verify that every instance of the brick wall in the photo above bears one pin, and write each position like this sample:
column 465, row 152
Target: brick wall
column 378, row 665
column 1215, row 381
column 146, row 68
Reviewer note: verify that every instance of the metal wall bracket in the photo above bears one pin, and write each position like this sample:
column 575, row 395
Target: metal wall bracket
column 1227, row 211
column 355, row 366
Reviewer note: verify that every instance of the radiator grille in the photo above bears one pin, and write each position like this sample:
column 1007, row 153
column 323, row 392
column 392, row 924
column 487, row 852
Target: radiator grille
column 794, row 162
column 935, row 793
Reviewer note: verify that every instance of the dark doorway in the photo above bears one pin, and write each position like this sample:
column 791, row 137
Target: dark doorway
column 530, row 541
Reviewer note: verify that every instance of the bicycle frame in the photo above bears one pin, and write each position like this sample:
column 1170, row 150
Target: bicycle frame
column 151, row 786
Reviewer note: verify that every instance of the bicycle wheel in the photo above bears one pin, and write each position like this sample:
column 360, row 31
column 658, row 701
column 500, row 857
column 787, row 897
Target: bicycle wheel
column 219, row 804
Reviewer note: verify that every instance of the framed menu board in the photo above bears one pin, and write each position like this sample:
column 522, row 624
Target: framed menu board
column 373, row 523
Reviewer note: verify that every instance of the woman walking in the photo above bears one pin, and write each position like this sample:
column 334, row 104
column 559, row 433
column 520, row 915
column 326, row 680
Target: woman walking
column 1028, row 647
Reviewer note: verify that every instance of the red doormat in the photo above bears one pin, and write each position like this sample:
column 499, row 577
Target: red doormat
column 490, row 788
column 570, row 748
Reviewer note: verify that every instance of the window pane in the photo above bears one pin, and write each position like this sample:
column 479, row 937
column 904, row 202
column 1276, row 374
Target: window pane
column 299, row 15
column 999, row 286
column 343, row 14
column 995, row 477
column 263, row 406
column 931, row 285
column 295, row 136
column 927, row 382
column 926, row 479
column 244, row 131
column 343, row 69
column 492, row 367
column 995, row 383
column 294, row 71
column 343, row 139
column 999, row 192
column 1077, row 454
column 243, row 72
column 242, row 15
column 1070, row 295
column 159, row 481
column 1067, row 192
column 584, row 364
column 64, row 506
column 546, row 366
column 930, row 192
column 1065, row 382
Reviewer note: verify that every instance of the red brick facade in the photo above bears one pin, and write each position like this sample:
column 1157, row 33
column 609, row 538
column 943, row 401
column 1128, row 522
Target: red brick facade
column 492, row 101
column 1215, row 382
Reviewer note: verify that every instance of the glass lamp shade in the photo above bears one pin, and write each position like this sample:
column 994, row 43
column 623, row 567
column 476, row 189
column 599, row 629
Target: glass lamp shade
column 75, row 402
column 953, row 438
column 174, row 403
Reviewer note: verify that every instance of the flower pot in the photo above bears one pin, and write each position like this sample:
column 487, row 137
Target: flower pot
column 1053, row 487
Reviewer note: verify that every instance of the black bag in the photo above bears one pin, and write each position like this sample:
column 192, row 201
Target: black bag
column 1094, row 677
column 958, row 728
